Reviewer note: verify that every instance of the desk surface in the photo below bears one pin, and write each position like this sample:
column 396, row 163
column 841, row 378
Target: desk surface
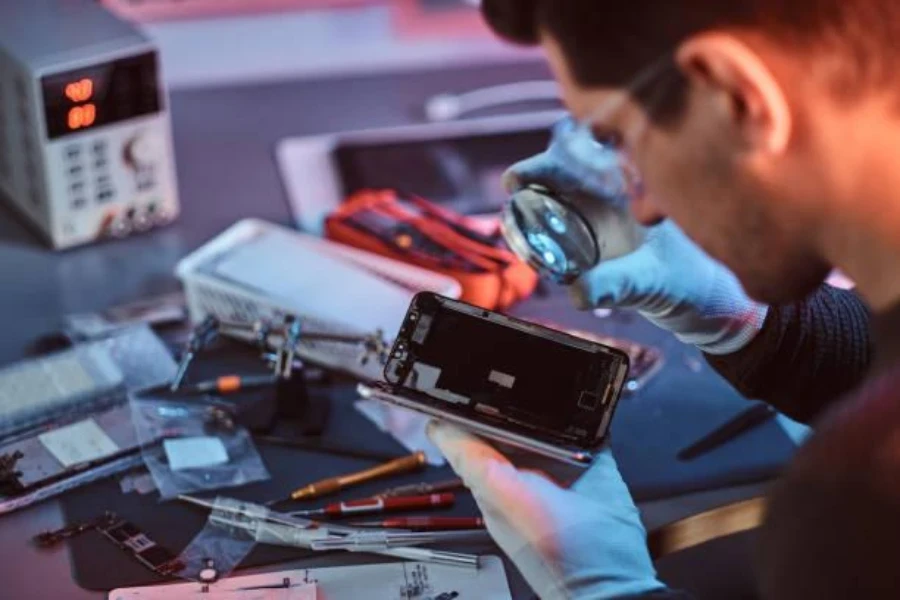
column 224, row 140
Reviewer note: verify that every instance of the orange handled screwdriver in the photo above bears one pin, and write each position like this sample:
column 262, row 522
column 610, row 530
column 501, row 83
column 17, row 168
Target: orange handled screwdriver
column 425, row 523
column 370, row 506
column 230, row 384
column 413, row 462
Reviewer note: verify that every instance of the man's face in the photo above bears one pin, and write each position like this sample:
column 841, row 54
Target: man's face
column 694, row 172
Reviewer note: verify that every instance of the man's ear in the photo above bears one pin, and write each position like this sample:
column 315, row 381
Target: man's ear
column 746, row 92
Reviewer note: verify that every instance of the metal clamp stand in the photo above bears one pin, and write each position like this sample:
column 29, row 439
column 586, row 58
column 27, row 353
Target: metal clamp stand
column 278, row 345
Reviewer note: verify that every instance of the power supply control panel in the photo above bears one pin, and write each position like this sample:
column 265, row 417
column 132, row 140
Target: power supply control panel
column 85, row 138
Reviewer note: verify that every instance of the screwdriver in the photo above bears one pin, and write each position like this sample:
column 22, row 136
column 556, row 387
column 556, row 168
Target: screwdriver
column 418, row 489
column 230, row 384
column 379, row 505
column 413, row 462
column 425, row 523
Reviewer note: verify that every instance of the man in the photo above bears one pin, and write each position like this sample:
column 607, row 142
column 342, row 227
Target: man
column 767, row 131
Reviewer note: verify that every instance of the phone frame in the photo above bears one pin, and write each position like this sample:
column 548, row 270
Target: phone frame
column 393, row 391
column 386, row 392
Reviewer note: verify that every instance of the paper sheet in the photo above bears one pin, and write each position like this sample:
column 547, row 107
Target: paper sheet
column 392, row 581
column 77, row 443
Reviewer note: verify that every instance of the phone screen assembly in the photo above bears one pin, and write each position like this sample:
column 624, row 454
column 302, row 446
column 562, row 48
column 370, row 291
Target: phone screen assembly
column 509, row 379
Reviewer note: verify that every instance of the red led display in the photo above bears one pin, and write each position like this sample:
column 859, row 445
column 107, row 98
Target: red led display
column 82, row 99
column 82, row 116
column 80, row 91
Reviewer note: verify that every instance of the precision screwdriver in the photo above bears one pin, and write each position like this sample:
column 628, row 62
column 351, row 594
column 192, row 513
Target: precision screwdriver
column 413, row 462
column 230, row 384
column 425, row 523
column 369, row 506
column 418, row 489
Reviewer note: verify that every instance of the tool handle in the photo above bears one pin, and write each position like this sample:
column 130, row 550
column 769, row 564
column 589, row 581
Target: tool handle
column 434, row 523
column 419, row 502
column 398, row 465
column 335, row 484
column 320, row 488
column 358, row 507
column 377, row 505
column 419, row 489
column 228, row 384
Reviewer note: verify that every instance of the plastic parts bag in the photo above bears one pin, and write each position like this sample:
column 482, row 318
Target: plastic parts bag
column 221, row 545
column 203, row 449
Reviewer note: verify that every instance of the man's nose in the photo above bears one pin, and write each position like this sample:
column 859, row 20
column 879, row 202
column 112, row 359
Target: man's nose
column 645, row 210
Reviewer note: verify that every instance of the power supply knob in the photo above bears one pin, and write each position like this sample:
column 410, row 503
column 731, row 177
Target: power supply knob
column 142, row 150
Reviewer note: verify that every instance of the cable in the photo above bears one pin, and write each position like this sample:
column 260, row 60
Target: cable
column 447, row 107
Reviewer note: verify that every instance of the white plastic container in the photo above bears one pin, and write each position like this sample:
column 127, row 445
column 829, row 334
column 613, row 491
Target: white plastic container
column 256, row 270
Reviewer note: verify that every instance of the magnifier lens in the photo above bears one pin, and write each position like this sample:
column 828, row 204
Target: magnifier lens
column 549, row 234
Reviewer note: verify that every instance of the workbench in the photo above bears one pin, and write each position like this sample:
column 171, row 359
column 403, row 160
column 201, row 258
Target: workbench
column 224, row 141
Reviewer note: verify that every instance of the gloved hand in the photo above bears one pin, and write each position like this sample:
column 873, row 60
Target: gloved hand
column 585, row 542
column 668, row 279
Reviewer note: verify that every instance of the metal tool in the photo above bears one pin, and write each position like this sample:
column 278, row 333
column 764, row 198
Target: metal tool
column 425, row 523
column 253, row 511
column 744, row 421
column 270, row 527
column 370, row 506
column 284, row 365
column 273, row 339
column 405, row 538
column 439, row 557
column 230, row 384
column 201, row 337
column 375, row 539
column 418, row 489
column 407, row 464
column 271, row 358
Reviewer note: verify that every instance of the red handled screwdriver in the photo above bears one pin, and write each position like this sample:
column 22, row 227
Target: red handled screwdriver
column 369, row 506
column 425, row 523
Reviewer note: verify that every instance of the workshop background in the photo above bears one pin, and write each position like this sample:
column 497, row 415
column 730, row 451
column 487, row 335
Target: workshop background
column 230, row 197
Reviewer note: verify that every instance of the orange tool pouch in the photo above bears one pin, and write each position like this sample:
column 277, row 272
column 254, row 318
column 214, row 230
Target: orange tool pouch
column 413, row 230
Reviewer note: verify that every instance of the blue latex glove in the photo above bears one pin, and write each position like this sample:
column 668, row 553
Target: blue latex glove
column 578, row 543
column 668, row 279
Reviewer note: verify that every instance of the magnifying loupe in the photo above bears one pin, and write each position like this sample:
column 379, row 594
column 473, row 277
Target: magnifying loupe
column 566, row 236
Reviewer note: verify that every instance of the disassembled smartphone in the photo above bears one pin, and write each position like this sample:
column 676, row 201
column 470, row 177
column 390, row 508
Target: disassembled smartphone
column 509, row 380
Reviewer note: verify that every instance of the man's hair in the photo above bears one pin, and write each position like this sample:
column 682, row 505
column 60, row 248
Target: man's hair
column 607, row 43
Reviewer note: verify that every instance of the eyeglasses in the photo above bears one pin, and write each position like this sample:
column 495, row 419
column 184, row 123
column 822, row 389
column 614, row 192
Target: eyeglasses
column 594, row 154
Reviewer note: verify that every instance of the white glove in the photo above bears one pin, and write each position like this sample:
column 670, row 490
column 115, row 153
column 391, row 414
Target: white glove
column 668, row 279
column 586, row 542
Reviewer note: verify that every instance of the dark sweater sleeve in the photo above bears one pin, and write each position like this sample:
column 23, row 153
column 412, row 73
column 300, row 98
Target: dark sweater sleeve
column 807, row 355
